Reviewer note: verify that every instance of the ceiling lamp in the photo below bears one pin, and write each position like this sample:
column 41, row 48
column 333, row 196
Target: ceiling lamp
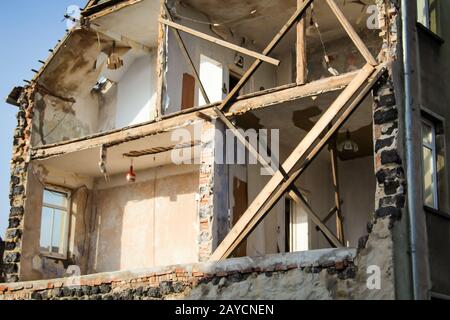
column 348, row 145
column 131, row 176
column 114, row 60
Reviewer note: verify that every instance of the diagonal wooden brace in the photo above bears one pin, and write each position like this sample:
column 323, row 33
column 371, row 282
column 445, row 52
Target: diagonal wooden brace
column 352, row 33
column 278, row 37
column 187, row 57
column 220, row 42
column 276, row 187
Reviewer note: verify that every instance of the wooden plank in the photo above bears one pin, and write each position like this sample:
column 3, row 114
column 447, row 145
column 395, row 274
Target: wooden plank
column 176, row 120
column 265, row 198
column 220, row 42
column 352, row 33
column 278, row 37
column 187, row 57
column 187, row 92
column 302, row 65
column 315, row 151
column 337, row 197
column 161, row 63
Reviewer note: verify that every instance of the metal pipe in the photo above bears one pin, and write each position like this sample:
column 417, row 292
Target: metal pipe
column 409, row 146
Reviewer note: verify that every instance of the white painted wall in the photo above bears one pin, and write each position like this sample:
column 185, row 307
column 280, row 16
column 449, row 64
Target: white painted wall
column 136, row 96
column 264, row 77
column 211, row 75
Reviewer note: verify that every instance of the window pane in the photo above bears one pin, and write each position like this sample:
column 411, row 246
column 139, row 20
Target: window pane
column 429, row 183
column 58, row 232
column 433, row 9
column 427, row 134
column 55, row 198
column 46, row 225
column 422, row 12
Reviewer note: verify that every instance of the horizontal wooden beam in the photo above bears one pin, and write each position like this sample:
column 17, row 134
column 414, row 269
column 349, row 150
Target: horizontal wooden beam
column 220, row 42
column 242, row 105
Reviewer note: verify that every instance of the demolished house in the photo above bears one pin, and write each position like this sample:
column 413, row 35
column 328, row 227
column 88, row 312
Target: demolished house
column 350, row 204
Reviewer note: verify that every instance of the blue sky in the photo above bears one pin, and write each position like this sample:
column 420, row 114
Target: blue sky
column 28, row 29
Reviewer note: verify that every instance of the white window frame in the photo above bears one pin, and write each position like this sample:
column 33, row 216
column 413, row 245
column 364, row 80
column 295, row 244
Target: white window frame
column 426, row 22
column 65, row 235
column 431, row 147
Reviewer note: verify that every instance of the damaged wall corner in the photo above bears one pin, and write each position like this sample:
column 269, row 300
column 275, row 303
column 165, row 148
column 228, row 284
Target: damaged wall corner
column 17, row 196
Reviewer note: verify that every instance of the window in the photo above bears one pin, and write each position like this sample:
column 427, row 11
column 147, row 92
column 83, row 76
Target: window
column 429, row 164
column 297, row 227
column 54, row 223
column 211, row 75
column 427, row 14
column 435, row 188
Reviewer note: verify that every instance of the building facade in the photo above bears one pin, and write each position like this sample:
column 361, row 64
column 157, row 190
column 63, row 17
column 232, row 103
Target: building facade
column 130, row 178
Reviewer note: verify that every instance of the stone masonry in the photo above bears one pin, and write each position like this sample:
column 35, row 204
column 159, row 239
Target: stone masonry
column 19, row 171
column 321, row 274
column 2, row 249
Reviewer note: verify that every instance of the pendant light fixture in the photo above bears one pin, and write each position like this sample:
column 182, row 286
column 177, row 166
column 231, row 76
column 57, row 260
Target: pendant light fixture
column 348, row 145
column 131, row 176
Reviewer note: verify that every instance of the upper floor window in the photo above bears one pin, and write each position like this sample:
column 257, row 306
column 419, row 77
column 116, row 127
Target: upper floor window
column 434, row 164
column 54, row 223
column 428, row 14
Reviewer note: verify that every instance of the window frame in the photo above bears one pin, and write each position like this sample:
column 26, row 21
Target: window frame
column 427, row 18
column 67, row 210
column 433, row 148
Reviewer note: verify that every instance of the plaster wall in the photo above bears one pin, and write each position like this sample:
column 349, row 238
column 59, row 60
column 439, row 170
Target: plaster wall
column 177, row 66
column 34, row 264
column 152, row 222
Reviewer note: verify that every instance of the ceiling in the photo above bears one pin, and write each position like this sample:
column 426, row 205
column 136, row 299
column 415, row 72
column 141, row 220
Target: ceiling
column 86, row 162
column 295, row 119
column 138, row 22
column 271, row 15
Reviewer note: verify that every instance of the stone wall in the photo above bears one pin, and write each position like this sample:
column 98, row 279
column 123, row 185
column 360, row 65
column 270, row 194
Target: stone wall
column 2, row 249
column 17, row 196
column 322, row 274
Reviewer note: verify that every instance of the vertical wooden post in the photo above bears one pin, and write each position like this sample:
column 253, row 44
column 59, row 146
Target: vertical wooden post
column 337, row 197
column 161, row 63
column 301, row 49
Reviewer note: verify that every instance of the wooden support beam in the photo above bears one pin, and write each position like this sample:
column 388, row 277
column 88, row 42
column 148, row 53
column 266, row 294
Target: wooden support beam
column 277, row 186
column 161, row 63
column 187, row 57
column 337, row 197
column 302, row 65
column 352, row 33
column 328, row 217
column 221, row 42
column 278, row 37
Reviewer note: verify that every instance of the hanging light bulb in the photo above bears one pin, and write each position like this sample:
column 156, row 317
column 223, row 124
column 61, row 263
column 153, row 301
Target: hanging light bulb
column 131, row 176
column 348, row 145
column 114, row 60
